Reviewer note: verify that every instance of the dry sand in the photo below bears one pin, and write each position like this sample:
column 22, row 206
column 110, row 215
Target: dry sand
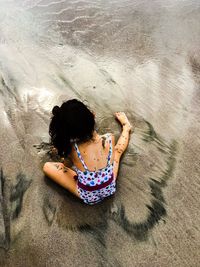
column 141, row 57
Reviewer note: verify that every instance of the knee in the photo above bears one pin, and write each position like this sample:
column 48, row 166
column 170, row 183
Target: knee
column 46, row 167
column 52, row 166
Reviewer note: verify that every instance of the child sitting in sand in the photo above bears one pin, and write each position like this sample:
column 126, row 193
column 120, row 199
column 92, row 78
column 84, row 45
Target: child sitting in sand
column 95, row 157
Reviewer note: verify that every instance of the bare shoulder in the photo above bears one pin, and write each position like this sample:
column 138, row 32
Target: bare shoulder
column 112, row 136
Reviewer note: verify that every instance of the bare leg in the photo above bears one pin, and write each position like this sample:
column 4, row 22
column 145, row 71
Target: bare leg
column 123, row 140
column 62, row 175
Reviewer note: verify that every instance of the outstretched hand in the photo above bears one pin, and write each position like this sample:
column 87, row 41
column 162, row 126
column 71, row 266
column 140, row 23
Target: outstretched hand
column 122, row 118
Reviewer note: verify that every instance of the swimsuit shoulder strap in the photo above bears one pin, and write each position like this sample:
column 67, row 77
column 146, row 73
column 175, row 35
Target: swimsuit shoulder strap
column 79, row 156
column 110, row 149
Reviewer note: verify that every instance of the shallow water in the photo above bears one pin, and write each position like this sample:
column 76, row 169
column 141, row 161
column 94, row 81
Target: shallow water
column 141, row 57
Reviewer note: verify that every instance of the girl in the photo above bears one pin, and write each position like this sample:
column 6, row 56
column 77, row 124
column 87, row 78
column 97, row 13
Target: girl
column 95, row 157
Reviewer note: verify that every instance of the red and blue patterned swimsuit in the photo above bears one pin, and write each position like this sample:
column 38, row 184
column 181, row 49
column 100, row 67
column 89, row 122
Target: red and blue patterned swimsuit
column 94, row 186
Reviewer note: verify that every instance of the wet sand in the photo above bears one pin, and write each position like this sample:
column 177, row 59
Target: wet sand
column 141, row 57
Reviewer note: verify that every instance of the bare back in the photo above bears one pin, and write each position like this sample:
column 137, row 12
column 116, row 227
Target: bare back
column 94, row 154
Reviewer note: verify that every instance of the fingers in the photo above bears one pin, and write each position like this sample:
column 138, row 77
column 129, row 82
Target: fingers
column 120, row 113
column 121, row 116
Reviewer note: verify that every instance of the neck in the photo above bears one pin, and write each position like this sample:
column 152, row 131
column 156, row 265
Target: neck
column 95, row 137
column 95, row 134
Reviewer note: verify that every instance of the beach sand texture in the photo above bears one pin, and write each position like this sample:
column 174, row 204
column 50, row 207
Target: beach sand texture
column 140, row 57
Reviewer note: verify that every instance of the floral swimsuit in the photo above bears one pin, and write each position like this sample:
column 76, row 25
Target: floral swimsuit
column 94, row 186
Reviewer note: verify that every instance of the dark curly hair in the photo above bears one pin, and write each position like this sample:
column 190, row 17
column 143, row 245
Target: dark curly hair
column 72, row 122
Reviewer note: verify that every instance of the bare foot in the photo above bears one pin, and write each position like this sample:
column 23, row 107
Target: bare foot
column 122, row 118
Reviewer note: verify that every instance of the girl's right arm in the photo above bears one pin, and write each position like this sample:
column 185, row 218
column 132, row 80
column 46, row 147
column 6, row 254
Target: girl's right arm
column 123, row 140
